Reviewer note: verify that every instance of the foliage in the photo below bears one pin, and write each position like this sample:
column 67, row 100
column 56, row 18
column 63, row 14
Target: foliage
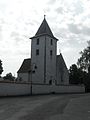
column 81, row 73
column 76, row 75
column 1, row 68
column 9, row 76
column 84, row 60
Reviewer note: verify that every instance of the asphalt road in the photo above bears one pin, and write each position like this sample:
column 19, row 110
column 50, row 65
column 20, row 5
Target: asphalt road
column 45, row 107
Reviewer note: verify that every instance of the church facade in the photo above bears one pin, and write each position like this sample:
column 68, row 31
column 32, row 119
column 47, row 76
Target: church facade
column 44, row 66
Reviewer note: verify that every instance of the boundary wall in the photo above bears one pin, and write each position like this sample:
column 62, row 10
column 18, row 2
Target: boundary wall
column 18, row 88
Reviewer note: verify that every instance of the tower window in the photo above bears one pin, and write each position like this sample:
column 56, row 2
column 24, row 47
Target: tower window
column 51, row 42
column 50, row 52
column 37, row 52
column 50, row 82
column 38, row 41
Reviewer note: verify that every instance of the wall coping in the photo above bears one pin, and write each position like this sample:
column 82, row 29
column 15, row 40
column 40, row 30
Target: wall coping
column 23, row 82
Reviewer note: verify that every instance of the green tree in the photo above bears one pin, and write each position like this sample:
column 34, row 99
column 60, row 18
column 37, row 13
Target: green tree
column 84, row 60
column 84, row 64
column 76, row 75
column 1, row 68
column 9, row 76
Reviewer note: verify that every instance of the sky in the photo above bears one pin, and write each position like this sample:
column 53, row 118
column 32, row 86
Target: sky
column 69, row 21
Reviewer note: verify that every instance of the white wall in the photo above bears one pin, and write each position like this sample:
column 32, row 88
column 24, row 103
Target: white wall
column 39, row 60
column 44, row 89
column 25, row 76
column 50, row 60
column 11, row 89
column 38, row 76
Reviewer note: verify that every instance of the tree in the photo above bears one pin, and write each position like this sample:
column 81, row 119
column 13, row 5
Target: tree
column 84, row 60
column 9, row 76
column 84, row 64
column 76, row 75
column 1, row 68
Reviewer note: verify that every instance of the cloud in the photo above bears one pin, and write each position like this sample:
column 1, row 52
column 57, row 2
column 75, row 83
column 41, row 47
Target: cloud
column 60, row 10
column 74, row 28
column 79, row 29
column 50, row 2
column 86, row 30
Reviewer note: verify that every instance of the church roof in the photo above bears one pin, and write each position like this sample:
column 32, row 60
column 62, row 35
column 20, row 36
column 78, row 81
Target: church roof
column 61, row 62
column 25, row 67
column 44, row 29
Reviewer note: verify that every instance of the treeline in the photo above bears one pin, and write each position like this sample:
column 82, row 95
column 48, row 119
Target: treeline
column 8, row 76
column 80, row 73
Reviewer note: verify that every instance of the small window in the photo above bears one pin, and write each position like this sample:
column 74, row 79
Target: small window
column 50, row 82
column 38, row 41
column 50, row 52
column 51, row 42
column 37, row 52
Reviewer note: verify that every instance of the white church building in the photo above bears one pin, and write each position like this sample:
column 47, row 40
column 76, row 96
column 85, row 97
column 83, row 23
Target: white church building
column 44, row 66
column 45, row 72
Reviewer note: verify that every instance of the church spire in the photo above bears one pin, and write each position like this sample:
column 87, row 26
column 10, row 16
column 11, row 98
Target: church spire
column 44, row 29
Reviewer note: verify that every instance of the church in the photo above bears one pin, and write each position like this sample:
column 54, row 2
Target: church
column 44, row 66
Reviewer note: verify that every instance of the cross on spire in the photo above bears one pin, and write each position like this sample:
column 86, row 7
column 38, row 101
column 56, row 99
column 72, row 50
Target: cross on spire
column 44, row 16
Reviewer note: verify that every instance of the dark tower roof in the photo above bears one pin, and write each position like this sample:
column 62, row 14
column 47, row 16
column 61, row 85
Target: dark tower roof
column 44, row 29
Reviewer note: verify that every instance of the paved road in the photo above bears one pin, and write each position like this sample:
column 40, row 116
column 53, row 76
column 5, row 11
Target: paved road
column 46, row 107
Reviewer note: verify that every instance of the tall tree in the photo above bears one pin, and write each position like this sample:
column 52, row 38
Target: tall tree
column 1, row 68
column 76, row 75
column 84, row 60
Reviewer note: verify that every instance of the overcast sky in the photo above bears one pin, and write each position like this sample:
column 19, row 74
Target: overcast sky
column 69, row 21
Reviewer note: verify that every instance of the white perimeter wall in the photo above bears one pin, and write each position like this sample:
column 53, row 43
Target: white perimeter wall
column 11, row 89
column 40, row 89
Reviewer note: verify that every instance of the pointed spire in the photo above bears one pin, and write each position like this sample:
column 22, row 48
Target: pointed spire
column 44, row 29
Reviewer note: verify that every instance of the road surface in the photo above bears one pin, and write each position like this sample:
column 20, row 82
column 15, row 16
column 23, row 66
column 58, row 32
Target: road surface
column 46, row 107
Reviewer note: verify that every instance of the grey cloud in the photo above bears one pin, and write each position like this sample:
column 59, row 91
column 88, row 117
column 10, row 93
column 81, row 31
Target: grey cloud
column 74, row 28
column 86, row 31
column 16, row 36
column 72, row 36
column 51, row 2
column 0, row 33
column 2, row 21
column 78, row 7
column 59, row 10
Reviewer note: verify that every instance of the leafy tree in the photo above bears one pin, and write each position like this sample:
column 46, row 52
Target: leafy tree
column 84, row 60
column 1, row 68
column 87, row 81
column 84, row 64
column 9, row 76
column 76, row 75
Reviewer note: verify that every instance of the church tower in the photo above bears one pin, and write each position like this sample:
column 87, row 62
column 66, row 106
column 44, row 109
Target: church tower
column 43, row 55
